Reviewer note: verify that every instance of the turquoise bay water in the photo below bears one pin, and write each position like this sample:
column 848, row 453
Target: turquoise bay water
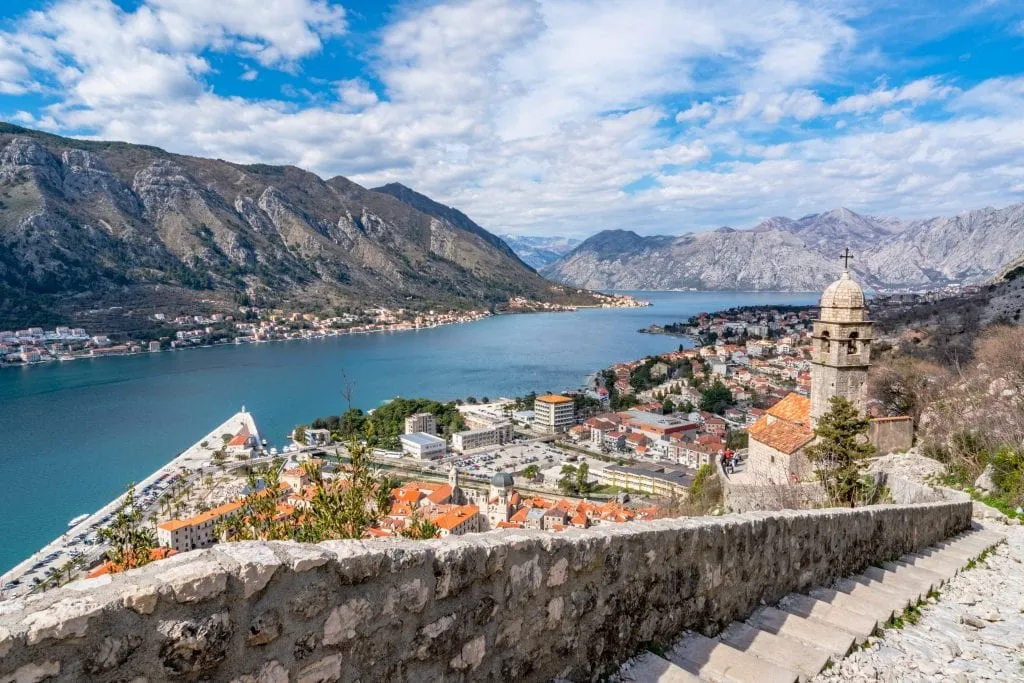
column 72, row 435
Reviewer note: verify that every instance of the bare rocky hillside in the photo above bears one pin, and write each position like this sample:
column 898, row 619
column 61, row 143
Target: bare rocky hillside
column 784, row 254
column 88, row 224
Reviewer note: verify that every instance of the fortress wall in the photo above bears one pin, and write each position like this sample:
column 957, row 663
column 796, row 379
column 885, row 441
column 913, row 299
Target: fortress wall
column 511, row 606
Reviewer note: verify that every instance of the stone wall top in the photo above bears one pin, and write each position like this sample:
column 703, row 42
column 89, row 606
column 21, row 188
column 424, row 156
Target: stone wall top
column 529, row 605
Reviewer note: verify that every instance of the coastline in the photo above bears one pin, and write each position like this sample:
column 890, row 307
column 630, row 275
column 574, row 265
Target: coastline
column 192, row 458
column 309, row 337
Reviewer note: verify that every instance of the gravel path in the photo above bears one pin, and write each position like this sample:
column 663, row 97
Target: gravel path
column 974, row 632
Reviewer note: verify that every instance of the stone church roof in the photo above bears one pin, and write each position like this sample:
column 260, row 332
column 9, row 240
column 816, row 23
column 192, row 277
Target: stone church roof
column 843, row 293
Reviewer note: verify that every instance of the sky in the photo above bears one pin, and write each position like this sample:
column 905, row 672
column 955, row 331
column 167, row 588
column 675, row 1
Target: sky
column 555, row 117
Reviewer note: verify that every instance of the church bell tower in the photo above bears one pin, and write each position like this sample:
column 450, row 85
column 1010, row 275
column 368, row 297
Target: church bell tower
column 841, row 347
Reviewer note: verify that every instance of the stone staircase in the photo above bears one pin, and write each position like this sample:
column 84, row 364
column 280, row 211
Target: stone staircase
column 805, row 633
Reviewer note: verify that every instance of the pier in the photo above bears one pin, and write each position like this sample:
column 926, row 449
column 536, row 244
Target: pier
column 30, row 574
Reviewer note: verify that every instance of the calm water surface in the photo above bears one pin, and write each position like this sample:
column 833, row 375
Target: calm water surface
column 72, row 435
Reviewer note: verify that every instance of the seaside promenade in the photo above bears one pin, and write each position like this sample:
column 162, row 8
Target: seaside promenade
column 29, row 574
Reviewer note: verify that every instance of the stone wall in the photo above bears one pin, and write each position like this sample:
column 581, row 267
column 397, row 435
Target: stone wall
column 513, row 606
column 891, row 434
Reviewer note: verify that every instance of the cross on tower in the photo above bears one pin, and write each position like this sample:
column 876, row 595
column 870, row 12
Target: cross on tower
column 846, row 256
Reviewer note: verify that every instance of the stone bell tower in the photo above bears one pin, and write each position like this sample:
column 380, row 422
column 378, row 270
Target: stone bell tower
column 841, row 347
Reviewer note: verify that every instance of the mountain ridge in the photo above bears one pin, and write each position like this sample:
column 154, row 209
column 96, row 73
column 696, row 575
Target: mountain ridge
column 86, row 224
column 785, row 254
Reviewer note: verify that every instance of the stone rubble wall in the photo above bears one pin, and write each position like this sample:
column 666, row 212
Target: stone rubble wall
column 523, row 605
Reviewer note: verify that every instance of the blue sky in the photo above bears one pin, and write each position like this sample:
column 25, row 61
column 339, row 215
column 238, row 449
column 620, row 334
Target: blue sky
column 555, row 116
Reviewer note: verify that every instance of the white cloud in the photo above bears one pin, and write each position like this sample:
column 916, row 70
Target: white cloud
column 916, row 92
column 696, row 112
column 249, row 75
column 356, row 93
column 537, row 114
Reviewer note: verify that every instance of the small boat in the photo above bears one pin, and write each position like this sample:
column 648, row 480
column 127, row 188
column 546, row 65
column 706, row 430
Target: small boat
column 78, row 520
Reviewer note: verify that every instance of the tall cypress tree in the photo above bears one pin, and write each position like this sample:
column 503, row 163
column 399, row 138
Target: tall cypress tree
column 840, row 453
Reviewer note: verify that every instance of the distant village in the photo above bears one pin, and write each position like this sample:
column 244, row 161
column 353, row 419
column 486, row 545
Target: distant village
column 250, row 325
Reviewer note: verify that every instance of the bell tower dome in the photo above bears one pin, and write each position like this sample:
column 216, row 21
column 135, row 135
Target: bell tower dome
column 841, row 347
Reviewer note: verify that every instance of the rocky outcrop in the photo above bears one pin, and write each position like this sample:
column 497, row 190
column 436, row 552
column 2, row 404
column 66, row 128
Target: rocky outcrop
column 803, row 255
column 524, row 606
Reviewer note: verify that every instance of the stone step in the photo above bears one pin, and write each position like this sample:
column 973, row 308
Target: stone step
column 885, row 596
column 650, row 668
column 914, row 589
column 713, row 660
column 859, row 624
column 899, row 568
column 945, row 566
column 874, row 607
column 790, row 653
column 812, row 631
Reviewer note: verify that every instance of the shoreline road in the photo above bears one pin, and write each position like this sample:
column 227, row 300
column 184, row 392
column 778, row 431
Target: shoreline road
column 81, row 544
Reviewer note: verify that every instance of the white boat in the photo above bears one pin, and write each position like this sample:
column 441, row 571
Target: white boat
column 78, row 520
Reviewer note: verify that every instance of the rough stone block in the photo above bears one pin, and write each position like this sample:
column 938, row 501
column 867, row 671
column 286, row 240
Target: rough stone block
column 33, row 672
column 194, row 647
column 68, row 618
column 196, row 581
column 325, row 670
column 256, row 564
column 343, row 621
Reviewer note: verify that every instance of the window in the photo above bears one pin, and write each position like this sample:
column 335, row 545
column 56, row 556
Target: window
column 851, row 345
column 826, row 342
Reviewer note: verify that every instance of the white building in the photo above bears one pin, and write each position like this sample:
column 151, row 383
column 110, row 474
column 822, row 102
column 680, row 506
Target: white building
column 421, row 422
column 479, row 438
column 182, row 535
column 422, row 446
column 553, row 412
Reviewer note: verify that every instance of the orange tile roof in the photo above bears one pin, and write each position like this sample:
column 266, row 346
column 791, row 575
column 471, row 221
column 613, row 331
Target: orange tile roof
column 441, row 494
column 209, row 515
column 108, row 567
column 456, row 516
column 794, row 408
column 520, row 516
column 554, row 398
column 781, row 435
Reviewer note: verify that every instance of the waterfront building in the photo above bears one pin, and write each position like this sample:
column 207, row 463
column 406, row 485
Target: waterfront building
column 421, row 422
column 318, row 437
column 182, row 535
column 422, row 446
column 494, row 435
column 553, row 413
column 242, row 444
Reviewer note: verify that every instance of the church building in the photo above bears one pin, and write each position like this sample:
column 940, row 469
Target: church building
column 840, row 358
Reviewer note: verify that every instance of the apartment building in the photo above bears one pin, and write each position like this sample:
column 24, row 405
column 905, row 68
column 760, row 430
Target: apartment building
column 181, row 535
column 421, row 422
column 494, row 435
column 553, row 413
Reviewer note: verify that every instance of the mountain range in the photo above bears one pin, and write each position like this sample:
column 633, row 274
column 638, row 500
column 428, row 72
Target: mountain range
column 784, row 254
column 540, row 250
column 88, row 224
